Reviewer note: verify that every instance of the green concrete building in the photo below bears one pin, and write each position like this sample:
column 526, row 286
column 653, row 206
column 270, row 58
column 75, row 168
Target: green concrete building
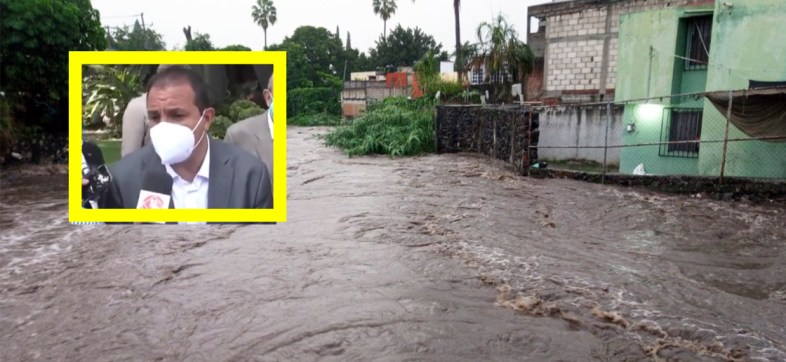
column 716, row 46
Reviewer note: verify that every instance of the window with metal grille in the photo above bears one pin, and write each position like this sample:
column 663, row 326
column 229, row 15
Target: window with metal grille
column 477, row 76
column 684, row 124
column 699, row 32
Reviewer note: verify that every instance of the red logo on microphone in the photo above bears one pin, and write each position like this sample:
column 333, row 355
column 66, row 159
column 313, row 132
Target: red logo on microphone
column 153, row 202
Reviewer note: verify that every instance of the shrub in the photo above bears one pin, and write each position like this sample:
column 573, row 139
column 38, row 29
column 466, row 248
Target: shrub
column 220, row 126
column 240, row 106
column 248, row 113
column 396, row 127
column 448, row 89
column 305, row 101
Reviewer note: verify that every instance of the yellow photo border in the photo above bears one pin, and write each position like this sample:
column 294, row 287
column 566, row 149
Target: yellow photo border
column 77, row 59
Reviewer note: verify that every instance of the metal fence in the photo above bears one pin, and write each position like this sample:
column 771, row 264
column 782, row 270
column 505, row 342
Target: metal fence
column 718, row 134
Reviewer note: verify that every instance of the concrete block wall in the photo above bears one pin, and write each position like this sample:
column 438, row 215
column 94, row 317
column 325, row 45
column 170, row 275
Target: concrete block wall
column 581, row 43
column 356, row 95
column 575, row 65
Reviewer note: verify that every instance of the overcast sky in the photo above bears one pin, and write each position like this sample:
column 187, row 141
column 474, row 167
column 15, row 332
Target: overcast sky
column 229, row 21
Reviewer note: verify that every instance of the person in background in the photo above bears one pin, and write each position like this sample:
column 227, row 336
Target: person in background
column 136, row 132
column 255, row 134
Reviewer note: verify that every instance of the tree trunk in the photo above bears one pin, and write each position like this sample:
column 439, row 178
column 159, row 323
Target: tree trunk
column 265, row 30
column 458, row 67
column 384, row 29
column 187, row 32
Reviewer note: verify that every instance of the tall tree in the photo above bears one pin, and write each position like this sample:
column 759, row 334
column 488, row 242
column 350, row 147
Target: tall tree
column 313, row 54
column 136, row 38
column 264, row 14
column 385, row 9
column 349, row 42
column 34, row 45
column 405, row 46
column 200, row 42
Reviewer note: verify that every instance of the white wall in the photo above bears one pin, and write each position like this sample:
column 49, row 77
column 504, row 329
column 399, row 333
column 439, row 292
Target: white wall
column 579, row 126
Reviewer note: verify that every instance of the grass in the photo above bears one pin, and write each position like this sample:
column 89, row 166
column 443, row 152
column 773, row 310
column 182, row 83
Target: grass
column 319, row 119
column 110, row 150
column 395, row 127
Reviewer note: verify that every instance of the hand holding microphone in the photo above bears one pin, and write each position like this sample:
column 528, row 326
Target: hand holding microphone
column 156, row 191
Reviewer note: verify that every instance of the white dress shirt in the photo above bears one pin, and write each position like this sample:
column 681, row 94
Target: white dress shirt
column 270, row 124
column 191, row 195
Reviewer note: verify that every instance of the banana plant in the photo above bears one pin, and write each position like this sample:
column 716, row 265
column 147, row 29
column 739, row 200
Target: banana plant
column 108, row 90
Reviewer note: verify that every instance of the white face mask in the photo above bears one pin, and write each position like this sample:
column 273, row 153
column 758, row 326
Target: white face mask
column 173, row 142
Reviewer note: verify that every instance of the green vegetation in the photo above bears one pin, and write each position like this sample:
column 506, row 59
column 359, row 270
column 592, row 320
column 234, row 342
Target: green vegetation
column 317, row 119
column 110, row 150
column 506, row 58
column 306, row 101
column 136, row 38
column 385, row 9
column 237, row 111
column 430, row 82
column 109, row 89
column 396, row 127
column 37, row 36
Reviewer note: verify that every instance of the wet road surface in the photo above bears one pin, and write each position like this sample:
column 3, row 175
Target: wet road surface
column 438, row 258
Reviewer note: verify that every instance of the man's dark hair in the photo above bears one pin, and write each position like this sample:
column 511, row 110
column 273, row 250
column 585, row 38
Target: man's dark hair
column 177, row 73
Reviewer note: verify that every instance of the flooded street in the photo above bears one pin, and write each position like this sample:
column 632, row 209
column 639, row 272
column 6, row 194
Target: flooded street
column 436, row 258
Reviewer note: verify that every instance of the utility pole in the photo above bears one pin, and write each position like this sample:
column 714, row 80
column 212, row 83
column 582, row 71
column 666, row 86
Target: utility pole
column 144, row 30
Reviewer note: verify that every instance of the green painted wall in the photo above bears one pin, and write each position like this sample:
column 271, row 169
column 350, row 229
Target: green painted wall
column 660, row 30
column 747, row 43
column 648, row 120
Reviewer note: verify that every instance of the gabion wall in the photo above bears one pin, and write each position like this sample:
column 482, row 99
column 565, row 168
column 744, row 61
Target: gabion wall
column 501, row 132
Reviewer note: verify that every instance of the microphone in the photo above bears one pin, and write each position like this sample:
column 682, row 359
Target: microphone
column 156, row 190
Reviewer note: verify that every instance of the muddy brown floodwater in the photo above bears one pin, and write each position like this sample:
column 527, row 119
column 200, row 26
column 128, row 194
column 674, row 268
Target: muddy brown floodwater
column 437, row 258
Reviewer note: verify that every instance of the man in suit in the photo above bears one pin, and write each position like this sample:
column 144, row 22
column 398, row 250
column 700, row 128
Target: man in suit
column 136, row 132
column 206, row 172
column 255, row 134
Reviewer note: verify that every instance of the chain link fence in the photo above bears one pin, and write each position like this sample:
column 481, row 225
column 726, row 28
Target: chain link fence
column 728, row 134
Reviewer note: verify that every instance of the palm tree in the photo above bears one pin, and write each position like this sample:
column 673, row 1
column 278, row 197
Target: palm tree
column 385, row 9
column 502, row 53
column 264, row 14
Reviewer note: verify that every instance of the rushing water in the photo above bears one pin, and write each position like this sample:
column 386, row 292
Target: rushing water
column 443, row 258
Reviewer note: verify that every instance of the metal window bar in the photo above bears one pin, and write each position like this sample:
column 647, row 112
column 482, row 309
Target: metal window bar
column 698, row 45
column 684, row 126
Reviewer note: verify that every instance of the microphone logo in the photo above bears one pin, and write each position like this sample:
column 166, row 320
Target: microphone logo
column 152, row 201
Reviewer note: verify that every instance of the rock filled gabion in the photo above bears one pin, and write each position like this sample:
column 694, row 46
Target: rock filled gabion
column 501, row 132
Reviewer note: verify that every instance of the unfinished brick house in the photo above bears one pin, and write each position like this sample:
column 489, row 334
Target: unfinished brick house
column 575, row 47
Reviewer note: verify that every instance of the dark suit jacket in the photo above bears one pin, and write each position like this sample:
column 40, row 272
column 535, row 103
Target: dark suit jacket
column 238, row 180
column 253, row 135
